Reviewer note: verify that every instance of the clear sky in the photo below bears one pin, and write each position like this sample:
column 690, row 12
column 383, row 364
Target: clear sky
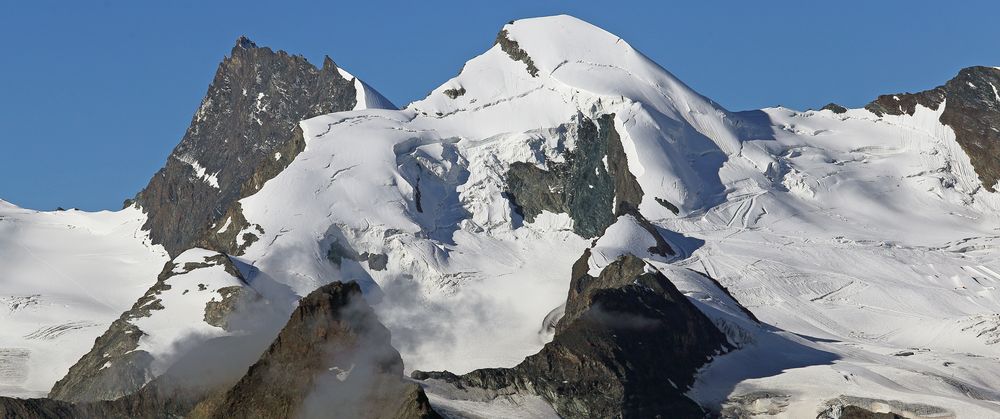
column 95, row 94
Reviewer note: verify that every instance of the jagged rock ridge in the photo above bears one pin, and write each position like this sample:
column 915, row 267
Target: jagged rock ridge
column 244, row 132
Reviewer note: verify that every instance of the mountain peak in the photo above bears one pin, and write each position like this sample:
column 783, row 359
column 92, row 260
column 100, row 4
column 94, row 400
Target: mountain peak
column 552, row 40
column 244, row 43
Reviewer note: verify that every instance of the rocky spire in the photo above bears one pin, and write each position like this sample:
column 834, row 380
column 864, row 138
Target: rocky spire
column 244, row 133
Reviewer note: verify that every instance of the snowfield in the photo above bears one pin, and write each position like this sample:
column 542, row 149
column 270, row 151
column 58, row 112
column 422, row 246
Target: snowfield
column 66, row 275
column 864, row 245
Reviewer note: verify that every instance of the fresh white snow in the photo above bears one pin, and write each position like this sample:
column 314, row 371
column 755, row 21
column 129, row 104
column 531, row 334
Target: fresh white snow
column 365, row 96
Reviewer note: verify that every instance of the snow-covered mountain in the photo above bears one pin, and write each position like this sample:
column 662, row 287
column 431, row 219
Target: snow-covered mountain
column 69, row 274
column 560, row 192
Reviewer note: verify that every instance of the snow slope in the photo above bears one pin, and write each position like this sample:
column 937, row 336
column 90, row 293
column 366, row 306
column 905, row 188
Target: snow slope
column 366, row 97
column 869, row 240
column 66, row 276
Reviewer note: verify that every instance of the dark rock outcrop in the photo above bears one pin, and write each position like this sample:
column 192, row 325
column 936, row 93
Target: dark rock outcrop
column 583, row 187
column 972, row 110
column 515, row 52
column 454, row 93
column 854, row 412
column 244, row 133
column 593, row 186
column 332, row 358
column 835, row 108
column 853, row 407
column 113, row 367
column 161, row 399
column 628, row 346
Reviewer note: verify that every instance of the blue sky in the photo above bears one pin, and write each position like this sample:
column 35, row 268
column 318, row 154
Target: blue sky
column 94, row 95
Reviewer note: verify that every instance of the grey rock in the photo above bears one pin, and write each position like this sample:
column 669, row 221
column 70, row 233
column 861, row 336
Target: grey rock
column 593, row 194
column 378, row 261
column 582, row 187
column 515, row 52
column 454, row 93
column 331, row 358
column 834, row 107
column 243, row 134
column 852, row 407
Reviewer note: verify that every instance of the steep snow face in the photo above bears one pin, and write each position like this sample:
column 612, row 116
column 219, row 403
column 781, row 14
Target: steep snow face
column 366, row 97
column 195, row 283
column 66, row 276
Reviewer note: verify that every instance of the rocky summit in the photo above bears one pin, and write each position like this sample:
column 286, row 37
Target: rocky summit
column 244, row 132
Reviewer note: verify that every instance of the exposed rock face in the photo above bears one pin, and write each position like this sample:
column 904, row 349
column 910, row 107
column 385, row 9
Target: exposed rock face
column 244, row 133
column 515, row 52
column 593, row 186
column 627, row 347
column 454, row 93
column 158, row 400
column 972, row 110
column 332, row 358
column 834, row 107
